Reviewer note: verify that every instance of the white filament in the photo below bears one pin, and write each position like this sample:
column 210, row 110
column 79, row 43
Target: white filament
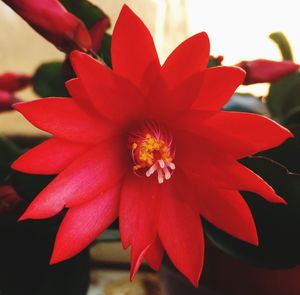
column 162, row 169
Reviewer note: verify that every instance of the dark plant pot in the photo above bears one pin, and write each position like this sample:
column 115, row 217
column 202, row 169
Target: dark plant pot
column 223, row 275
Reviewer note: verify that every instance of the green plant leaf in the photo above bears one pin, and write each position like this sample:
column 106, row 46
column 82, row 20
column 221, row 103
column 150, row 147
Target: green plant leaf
column 84, row 10
column 214, row 61
column 284, row 97
column 49, row 80
column 284, row 46
column 105, row 49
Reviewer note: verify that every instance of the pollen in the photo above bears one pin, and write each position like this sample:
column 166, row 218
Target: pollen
column 152, row 151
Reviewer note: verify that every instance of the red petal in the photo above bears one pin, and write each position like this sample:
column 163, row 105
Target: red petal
column 139, row 211
column 218, row 85
column 228, row 143
column 260, row 131
column 228, row 211
column 76, row 90
column 63, row 117
column 241, row 178
column 181, row 234
column 113, row 97
column 154, row 255
column 190, row 57
column 165, row 103
column 87, row 177
column 133, row 50
column 50, row 157
column 97, row 32
column 84, row 223
column 204, row 160
column 54, row 22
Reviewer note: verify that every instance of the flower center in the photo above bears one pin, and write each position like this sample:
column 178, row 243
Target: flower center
column 152, row 151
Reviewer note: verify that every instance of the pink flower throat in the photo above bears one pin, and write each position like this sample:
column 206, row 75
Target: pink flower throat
column 152, row 151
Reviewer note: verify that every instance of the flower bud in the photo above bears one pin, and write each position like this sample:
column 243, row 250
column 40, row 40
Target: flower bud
column 50, row 19
column 263, row 70
column 12, row 82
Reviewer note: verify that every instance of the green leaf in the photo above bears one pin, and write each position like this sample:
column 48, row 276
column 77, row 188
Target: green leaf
column 8, row 153
column 49, row 80
column 214, row 61
column 284, row 46
column 84, row 10
column 277, row 224
column 284, row 97
column 105, row 49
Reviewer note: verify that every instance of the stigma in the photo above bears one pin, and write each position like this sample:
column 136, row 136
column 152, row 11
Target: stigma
column 152, row 151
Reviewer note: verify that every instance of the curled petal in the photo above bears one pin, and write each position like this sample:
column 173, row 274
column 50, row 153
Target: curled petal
column 49, row 157
column 84, row 223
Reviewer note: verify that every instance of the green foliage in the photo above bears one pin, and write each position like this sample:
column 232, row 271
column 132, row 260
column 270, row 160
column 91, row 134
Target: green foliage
column 105, row 49
column 213, row 62
column 283, row 99
column 284, row 46
column 49, row 80
column 84, row 10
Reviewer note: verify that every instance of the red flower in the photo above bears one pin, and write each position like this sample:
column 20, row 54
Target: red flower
column 54, row 22
column 12, row 82
column 9, row 83
column 150, row 145
column 6, row 101
column 262, row 70
column 97, row 32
